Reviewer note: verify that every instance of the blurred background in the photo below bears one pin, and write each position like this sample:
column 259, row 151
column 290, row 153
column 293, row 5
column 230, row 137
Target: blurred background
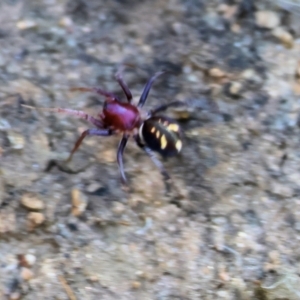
column 229, row 226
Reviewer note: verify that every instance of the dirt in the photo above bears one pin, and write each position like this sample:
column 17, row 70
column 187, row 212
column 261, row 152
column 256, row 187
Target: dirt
column 229, row 226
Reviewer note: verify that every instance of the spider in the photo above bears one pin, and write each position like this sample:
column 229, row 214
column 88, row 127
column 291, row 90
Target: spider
column 151, row 132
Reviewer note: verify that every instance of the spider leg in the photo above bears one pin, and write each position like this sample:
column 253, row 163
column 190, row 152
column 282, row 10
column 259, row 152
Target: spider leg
column 72, row 112
column 95, row 90
column 89, row 132
column 164, row 107
column 120, row 151
column 123, row 84
column 155, row 160
column 147, row 89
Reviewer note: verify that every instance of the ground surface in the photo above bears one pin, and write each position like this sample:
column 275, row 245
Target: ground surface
column 229, row 228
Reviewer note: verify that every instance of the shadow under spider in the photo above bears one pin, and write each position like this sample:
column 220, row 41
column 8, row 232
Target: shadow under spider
column 64, row 167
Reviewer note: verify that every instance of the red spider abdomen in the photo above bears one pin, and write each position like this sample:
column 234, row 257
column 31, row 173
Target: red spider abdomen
column 120, row 116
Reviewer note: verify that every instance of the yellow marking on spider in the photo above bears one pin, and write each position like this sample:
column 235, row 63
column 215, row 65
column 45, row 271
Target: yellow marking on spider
column 173, row 127
column 152, row 129
column 157, row 134
column 178, row 145
column 163, row 142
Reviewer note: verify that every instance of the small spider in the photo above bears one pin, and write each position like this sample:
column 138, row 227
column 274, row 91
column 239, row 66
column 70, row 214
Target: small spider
column 150, row 132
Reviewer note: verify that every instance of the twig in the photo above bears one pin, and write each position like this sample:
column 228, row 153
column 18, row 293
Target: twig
column 67, row 288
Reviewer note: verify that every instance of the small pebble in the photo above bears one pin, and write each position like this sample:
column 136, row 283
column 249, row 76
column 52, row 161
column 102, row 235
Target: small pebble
column 235, row 88
column 16, row 140
column 192, row 78
column 32, row 202
column 228, row 11
column 236, row 28
column 268, row 267
column 66, row 22
column 30, row 259
column 283, row 36
column 94, row 278
column 183, row 113
column 267, row 19
column 222, row 8
column 283, row 190
column 26, row 24
column 274, row 256
column 35, row 219
column 136, row 285
column 248, row 74
column 4, row 125
column 26, row 274
column 177, row 28
column 216, row 73
column 221, row 221
column 224, row 276
column 93, row 187
column 118, row 208
column 223, row 294
column 140, row 274
column 15, row 296
column 79, row 202
column 251, row 76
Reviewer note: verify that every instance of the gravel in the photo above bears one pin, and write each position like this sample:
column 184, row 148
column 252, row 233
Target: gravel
column 229, row 226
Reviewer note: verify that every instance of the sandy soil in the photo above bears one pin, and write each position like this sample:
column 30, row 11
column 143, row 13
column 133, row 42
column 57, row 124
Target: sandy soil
column 229, row 227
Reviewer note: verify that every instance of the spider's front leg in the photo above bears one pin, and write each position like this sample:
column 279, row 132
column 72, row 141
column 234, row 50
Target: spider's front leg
column 62, row 165
column 89, row 132
column 120, row 152
column 96, row 90
column 123, row 84
column 147, row 89
column 71, row 112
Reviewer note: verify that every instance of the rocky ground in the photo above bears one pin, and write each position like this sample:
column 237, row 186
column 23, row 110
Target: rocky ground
column 229, row 227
